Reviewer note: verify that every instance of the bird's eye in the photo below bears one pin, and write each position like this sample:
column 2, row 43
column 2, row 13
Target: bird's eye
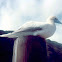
column 55, row 18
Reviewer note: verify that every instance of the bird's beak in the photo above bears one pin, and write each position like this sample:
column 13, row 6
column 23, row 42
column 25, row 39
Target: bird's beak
column 60, row 22
column 57, row 21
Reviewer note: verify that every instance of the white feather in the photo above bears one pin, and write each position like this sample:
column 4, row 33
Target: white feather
column 43, row 29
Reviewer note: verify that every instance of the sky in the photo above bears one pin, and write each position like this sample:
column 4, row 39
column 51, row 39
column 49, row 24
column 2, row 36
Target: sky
column 14, row 13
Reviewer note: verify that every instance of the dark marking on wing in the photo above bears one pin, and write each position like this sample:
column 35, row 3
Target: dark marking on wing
column 32, row 29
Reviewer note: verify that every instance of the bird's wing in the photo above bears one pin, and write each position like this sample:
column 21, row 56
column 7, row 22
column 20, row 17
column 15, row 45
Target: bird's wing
column 31, row 27
column 27, row 27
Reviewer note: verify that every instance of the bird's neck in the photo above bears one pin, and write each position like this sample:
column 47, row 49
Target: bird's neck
column 51, row 22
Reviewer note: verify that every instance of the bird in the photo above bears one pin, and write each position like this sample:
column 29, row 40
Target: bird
column 36, row 28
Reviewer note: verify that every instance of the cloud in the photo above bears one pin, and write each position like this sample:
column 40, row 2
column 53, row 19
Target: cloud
column 24, row 10
column 51, row 7
column 17, row 12
column 10, row 18
column 12, row 12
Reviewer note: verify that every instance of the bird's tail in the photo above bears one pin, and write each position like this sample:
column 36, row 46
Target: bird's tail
column 10, row 35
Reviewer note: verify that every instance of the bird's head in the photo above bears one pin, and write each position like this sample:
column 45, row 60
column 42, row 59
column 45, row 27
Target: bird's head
column 55, row 19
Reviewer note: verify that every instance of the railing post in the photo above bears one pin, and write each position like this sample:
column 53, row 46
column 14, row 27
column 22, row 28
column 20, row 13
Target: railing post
column 30, row 49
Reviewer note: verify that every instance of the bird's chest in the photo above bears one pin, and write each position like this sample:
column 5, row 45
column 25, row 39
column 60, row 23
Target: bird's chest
column 46, row 31
column 50, row 30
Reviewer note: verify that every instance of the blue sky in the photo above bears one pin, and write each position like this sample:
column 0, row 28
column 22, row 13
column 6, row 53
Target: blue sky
column 14, row 13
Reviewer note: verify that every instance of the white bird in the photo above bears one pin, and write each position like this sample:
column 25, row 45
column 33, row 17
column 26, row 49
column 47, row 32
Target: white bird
column 43, row 29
